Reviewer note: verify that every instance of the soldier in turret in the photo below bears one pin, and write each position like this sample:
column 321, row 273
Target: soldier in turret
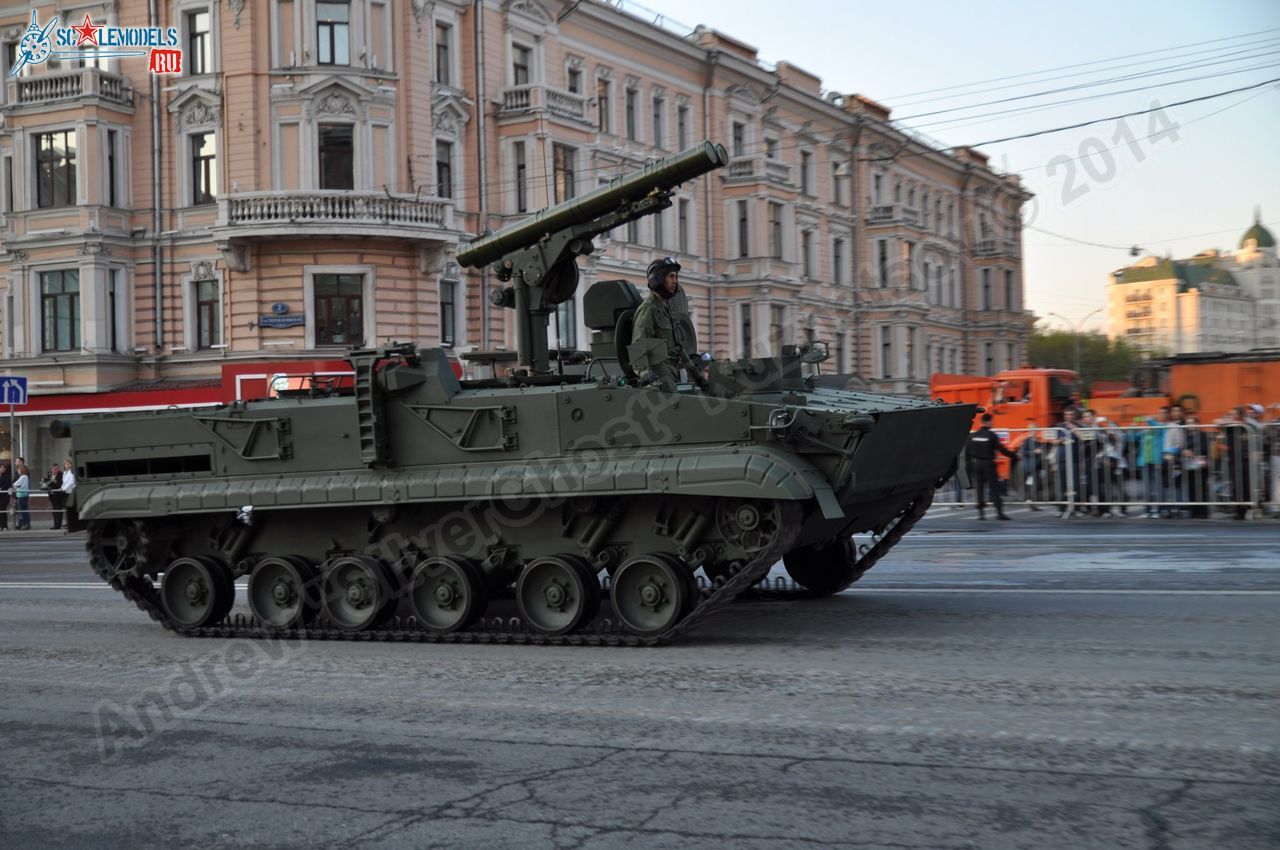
column 654, row 320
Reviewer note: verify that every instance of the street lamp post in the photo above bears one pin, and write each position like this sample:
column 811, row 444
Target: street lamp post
column 1075, row 336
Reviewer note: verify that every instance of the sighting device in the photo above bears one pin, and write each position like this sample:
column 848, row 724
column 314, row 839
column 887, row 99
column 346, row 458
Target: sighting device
column 539, row 254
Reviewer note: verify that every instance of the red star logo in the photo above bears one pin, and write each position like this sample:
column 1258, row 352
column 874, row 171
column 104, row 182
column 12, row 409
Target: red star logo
column 88, row 32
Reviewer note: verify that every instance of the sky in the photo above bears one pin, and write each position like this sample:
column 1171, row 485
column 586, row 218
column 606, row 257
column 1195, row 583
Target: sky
column 1178, row 181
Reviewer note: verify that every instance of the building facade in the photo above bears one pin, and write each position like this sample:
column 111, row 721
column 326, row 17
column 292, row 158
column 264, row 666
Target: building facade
column 1214, row 301
column 303, row 184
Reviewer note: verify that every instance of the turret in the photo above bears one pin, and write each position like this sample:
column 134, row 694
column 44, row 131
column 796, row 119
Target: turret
column 539, row 254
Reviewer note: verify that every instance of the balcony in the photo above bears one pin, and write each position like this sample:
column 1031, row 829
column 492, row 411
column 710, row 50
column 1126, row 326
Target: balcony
column 986, row 248
column 1137, row 297
column 48, row 89
column 755, row 169
column 332, row 213
column 527, row 99
column 893, row 214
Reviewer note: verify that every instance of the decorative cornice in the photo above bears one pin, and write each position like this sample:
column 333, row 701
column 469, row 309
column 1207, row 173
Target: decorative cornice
column 237, row 6
column 331, row 104
column 201, row 114
column 421, row 9
column 17, row 255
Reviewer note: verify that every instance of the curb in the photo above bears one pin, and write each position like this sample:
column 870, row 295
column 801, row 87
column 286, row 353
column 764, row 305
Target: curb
column 37, row 534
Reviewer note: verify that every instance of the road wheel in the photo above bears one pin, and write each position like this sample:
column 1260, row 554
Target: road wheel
column 197, row 592
column 358, row 592
column 447, row 594
column 650, row 595
column 557, row 594
column 284, row 592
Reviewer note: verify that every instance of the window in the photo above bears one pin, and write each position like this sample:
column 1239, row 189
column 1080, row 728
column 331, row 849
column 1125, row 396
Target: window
column 1010, row 296
column 567, row 323
column 448, row 311
column 924, row 211
column 841, row 344
column 775, row 230
column 198, row 37
column 986, row 289
column 911, row 352
column 739, row 138
column 806, row 253
column 522, row 168
column 573, row 80
column 337, row 157
column 806, row 177
column 909, row 258
column 604, row 120
column 771, row 148
column 339, row 309
column 746, row 330
column 882, row 263
column 955, row 294
column 988, row 360
column 877, row 187
column 444, row 169
column 660, row 229
column 682, row 127
column 204, row 169
column 777, row 326
column 837, row 185
column 444, row 58
column 633, row 231
column 333, row 33
column 112, row 177
column 886, row 351
column 743, row 230
column 8, row 184
column 565, row 173
column 208, row 314
column 837, row 261
column 659, row 106
column 56, row 169
column 520, row 62
column 60, row 310
column 1008, row 357
column 113, row 289
column 682, row 225
column 633, row 132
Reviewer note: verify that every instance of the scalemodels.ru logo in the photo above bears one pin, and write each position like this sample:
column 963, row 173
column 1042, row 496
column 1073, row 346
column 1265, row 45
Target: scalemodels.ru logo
column 41, row 43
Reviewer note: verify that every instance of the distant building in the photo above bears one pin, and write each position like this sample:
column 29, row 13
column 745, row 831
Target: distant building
column 303, row 183
column 1213, row 301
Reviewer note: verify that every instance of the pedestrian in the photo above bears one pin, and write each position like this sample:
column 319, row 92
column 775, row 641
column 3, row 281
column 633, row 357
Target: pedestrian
column 983, row 445
column 52, row 485
column 1172, row 452
column 1196, row 467
column 1068, row 456
column 21, row 494
column 1034, row 453
column 6, row 484
column 68, row 487
column 1236, row 434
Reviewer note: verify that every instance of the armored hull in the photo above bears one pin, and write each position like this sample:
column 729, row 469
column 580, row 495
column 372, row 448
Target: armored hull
column 412, row 503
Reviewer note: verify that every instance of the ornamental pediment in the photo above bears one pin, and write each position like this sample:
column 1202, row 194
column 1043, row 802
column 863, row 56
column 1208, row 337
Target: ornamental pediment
column 197, row 107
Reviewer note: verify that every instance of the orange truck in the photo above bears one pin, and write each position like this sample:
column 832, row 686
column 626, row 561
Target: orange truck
column 1207, row 385
column 1014, row 398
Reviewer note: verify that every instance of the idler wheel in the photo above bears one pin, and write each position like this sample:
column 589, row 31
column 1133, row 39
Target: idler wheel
column 557, row 594
column 116, row 548
column 447, row 594
column 650, row 594
column 284, row 592
column 197, row 592
column 824, row 568
column 358, row 592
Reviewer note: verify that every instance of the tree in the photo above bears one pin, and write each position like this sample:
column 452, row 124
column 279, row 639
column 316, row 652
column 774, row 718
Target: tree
column 1099, row 359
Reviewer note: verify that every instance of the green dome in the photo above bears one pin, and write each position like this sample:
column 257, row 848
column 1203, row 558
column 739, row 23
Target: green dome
column 1260, row 235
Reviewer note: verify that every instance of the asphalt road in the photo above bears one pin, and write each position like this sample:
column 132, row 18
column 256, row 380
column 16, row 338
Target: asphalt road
column 1035, row 683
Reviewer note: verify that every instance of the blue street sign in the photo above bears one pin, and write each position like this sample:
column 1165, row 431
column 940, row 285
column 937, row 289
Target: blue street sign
column 14, row 389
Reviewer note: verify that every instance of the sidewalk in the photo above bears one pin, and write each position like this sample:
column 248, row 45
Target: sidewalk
column 1137, row 516
column 36, row 533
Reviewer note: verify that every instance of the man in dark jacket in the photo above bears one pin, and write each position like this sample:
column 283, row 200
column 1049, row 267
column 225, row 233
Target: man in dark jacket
column 983, row 445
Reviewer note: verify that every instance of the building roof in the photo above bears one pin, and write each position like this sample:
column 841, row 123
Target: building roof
column 1260, row 235
column 1189, row 274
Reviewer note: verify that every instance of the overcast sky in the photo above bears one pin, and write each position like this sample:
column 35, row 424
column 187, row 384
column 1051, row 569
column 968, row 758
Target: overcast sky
column 1193, row 185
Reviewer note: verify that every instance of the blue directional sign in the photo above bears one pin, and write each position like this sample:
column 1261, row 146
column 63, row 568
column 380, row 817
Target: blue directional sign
column 13, row 389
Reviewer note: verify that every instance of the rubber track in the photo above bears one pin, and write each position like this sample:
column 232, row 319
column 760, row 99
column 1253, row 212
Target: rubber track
column 143, row 593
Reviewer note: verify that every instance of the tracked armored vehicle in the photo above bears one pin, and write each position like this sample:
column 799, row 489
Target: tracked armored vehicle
column 536, row 507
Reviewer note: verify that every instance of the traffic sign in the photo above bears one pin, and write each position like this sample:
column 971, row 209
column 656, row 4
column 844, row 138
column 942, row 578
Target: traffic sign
column 14, row 389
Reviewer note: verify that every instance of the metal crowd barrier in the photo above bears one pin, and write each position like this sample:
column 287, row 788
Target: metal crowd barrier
column 1195, row 471
column 41, row 509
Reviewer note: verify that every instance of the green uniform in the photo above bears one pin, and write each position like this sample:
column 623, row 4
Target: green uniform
column 654, row 321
